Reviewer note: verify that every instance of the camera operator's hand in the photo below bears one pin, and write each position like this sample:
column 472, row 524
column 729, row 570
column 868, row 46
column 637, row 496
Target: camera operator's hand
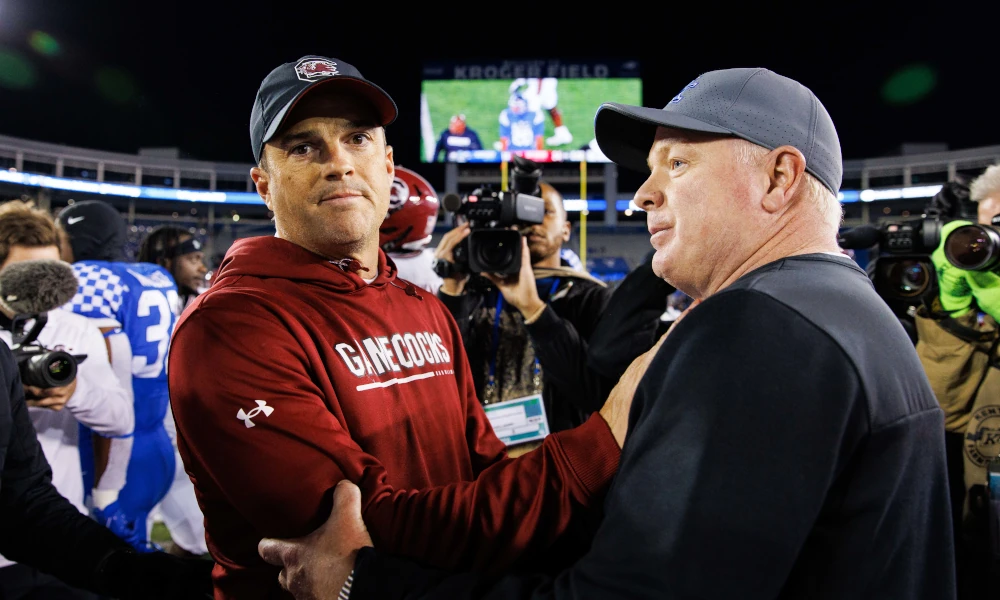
column 446, row 251
column 50, row 398
column 520, row 290
column 128, row 575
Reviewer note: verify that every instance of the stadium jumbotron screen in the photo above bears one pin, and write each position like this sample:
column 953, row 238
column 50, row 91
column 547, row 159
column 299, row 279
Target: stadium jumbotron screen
column 540, row 109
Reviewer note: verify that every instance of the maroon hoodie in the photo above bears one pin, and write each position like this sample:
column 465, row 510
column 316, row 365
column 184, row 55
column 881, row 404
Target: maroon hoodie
column 291, row 373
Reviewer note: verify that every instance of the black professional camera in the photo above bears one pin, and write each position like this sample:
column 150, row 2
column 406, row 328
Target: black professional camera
column 39, row 366
column 492, row 246
column 974, row 247
column 902, row 271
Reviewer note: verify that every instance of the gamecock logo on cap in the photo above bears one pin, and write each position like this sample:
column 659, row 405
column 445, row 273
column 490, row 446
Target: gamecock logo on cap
column 311, row 69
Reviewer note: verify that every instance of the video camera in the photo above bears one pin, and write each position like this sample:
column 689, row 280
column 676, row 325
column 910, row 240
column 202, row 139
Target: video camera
column 40, row 366
column 492, row 246
column 902, row 271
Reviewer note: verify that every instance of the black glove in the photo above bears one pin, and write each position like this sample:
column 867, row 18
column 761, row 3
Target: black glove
column 129, row 575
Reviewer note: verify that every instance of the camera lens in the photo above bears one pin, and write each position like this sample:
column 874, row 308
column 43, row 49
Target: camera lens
column 909, row 278
column 495, row 251
column 498, row 255
column 49, row 369
column 973, row 247
column 914, row 278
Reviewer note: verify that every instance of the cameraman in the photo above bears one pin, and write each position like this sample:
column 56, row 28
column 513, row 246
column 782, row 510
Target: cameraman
column 527, row 333
column 957, row 339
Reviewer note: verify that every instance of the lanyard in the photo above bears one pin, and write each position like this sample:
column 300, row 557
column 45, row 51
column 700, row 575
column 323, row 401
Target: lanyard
column 496, row 334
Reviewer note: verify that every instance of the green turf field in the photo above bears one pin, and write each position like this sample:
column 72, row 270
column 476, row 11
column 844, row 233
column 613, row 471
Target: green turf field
column 482, row 100
column 160, row 535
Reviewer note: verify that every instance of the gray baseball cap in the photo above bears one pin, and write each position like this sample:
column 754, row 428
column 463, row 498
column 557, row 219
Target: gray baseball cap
column 757, row 105
column 288, row 83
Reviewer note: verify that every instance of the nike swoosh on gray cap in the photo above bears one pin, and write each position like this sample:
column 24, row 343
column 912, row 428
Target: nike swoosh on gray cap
column 755, row 104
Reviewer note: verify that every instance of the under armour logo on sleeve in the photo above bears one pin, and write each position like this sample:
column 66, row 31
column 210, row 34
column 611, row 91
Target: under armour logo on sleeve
column 262, row 407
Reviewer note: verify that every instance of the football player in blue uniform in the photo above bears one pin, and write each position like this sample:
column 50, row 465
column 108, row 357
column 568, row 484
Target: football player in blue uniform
column 520, row 127
column 542, row 93
column 137, row 299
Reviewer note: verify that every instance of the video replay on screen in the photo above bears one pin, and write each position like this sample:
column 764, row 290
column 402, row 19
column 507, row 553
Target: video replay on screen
column 486, row 112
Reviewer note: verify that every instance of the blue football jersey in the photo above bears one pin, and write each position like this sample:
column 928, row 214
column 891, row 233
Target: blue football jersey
column 142, row 298
column 521, row 129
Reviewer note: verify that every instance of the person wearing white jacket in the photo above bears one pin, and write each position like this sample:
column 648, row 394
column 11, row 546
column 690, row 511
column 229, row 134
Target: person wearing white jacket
column 99, row 400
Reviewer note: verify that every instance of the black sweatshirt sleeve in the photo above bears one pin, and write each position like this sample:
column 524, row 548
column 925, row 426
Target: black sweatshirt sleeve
column 731, row 447
column 39, row 527
column 630, row 324
column 562, row 348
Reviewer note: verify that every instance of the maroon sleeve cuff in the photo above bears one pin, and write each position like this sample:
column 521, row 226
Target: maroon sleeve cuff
column 592, row 453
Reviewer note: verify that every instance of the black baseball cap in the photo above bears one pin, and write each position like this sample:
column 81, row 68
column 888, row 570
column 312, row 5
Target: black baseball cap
column 286, row 84
column 96, row 230
column 755, row 104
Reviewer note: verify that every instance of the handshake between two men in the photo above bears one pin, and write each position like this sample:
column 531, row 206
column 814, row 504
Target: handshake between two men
column 319, row 565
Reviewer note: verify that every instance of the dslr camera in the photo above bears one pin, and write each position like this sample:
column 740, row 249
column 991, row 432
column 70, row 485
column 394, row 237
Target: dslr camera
column 40, row 366
column 492, row 246
column 975, row 247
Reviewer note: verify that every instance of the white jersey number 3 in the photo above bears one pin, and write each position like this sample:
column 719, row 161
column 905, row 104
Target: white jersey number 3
column 158, row 333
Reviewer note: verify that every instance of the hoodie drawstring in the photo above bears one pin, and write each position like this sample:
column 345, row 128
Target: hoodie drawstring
column 410, row 289
column 350, row 264
column 353, row 265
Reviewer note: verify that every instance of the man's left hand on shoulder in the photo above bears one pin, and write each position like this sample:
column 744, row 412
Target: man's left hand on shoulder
column 519, row 290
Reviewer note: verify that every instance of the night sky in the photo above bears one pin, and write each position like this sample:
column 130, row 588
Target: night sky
column 123, row 75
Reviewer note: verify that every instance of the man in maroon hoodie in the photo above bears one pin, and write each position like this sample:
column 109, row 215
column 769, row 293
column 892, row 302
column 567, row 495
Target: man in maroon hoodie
column 309, row 362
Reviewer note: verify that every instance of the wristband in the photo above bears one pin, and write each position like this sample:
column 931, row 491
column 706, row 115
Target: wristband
column 345, row 591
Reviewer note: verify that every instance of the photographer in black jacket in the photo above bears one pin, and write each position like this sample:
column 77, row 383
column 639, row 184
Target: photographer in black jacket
column 42, row 529
column 527, row 333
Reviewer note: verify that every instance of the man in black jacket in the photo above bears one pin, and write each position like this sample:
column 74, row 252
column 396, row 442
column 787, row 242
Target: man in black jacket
column 784, row 441
column 42, row 529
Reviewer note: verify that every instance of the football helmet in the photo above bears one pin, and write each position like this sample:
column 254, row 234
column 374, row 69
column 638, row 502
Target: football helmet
column 517, row 104
column 413, row 213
